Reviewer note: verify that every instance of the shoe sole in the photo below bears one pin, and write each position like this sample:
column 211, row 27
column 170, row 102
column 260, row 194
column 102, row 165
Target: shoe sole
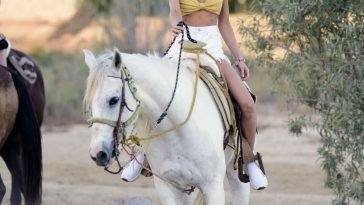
column 124, row 179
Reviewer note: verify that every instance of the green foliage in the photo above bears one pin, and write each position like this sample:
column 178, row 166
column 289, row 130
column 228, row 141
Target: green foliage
column 64, row 83
column 296, row 125
column 317, row 48
column 234, row 6
column 102, row 6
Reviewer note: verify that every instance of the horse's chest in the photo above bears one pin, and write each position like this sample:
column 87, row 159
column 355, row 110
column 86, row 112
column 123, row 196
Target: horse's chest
column 186, row 170
column 183, row 173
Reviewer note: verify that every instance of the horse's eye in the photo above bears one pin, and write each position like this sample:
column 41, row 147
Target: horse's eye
column 113, row 101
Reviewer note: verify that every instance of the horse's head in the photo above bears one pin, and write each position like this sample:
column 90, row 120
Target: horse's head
column 106, row 95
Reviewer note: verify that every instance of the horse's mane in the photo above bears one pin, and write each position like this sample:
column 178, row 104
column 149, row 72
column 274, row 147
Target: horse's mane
column 96, row 78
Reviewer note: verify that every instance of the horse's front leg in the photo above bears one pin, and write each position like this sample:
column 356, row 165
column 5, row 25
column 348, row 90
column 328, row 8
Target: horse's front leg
column 169, row 195
column 213, row 192
column 240, row 192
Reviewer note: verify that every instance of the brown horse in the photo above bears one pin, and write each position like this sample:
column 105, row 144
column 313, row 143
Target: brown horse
column 21, row 114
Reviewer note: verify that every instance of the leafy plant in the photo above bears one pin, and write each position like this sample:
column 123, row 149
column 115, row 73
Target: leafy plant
column 317, row 48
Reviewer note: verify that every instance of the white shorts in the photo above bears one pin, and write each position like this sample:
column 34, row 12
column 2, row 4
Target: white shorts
column 210, row 35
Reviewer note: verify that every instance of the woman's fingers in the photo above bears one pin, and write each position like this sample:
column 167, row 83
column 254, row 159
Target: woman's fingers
column 176, row 30
column 247, row 73
column 179, row 28
column 244, row 71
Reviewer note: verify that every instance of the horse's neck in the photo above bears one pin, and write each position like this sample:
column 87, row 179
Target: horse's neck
column 154, row 79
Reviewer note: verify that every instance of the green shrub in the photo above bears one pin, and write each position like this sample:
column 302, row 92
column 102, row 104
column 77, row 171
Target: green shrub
column 316, row 47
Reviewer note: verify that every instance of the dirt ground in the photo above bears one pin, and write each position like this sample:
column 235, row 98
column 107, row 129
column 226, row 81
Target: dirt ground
column 70, row 177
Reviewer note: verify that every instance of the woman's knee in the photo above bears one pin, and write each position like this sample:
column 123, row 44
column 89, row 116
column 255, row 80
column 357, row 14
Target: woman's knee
column 247, row 105
column 245, row 100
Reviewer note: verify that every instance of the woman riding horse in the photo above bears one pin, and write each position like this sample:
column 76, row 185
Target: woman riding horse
column 208, row 21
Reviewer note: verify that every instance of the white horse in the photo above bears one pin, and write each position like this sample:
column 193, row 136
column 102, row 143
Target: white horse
column 192, row 155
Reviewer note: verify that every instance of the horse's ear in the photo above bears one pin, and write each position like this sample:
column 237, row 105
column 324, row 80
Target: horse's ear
column 90, row 59
column 117, row 59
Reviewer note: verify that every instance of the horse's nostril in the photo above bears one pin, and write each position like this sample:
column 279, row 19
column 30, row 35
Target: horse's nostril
column 102, row 155
column 102, row 158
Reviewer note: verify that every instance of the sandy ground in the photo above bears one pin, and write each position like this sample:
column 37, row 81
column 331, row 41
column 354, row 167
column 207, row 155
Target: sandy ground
column 70, row 177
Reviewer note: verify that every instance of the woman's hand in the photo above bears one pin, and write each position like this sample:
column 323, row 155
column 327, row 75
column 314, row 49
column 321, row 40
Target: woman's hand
column 176, row 30
column 243, row 70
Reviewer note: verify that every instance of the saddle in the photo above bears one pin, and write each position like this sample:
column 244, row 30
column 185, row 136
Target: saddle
column 229, row 109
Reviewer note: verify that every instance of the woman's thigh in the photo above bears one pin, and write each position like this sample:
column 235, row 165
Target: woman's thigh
column 237, row 87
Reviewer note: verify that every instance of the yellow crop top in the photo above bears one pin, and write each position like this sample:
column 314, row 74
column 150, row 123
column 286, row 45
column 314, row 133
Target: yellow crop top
column 190, row 6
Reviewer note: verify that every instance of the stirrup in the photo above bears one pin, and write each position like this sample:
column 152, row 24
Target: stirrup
column 243, row 177
column 146, row 171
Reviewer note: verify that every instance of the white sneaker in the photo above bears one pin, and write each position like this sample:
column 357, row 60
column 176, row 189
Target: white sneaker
column 258, row 180
column 133, row 169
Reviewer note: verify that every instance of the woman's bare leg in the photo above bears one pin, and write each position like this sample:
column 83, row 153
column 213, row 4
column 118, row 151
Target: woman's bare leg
column 242, row 95
column 249, row 122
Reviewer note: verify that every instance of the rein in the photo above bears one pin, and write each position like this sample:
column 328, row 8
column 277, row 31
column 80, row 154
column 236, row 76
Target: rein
column 181, row 23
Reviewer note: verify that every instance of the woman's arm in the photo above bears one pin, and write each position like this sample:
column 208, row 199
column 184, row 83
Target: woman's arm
column 226, row 30
column 227, row 34
column 175, row 16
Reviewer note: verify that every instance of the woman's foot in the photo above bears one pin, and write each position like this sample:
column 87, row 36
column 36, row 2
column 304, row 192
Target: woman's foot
column 258, row 180
column 133, row 169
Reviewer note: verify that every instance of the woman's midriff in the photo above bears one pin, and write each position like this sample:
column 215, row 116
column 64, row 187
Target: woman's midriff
column 201, row 18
